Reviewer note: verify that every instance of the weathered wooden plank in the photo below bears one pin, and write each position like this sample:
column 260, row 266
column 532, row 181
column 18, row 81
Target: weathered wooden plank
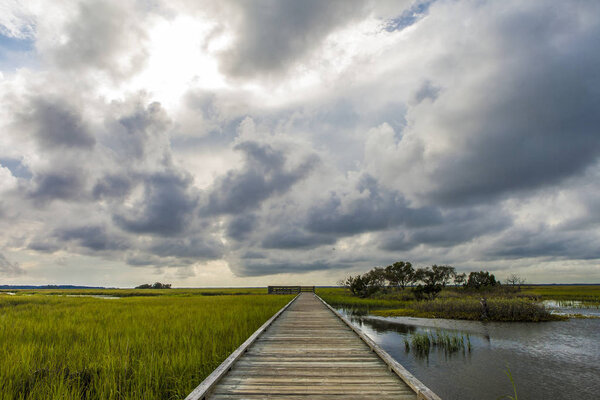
column 352, row 396
column 275, row 379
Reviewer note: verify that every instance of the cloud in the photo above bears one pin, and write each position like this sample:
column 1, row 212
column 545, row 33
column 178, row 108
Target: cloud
column 500, row 124
column 56, row 124
column 271, row 35
column 369, row 208
column 292, row 238
column 240, row 226
column 195, row 248
column 10, row 269
column 165, row 208
column 264, row 174
column 95, row 238
column 57, row 185
column 112, row 186
column 100, row 36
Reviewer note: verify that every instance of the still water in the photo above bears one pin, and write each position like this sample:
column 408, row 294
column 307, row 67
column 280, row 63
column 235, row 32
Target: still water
column 549, row 360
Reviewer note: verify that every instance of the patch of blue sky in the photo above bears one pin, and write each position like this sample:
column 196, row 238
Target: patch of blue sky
column 409, row 16
column 16, row 167
column 16, row 52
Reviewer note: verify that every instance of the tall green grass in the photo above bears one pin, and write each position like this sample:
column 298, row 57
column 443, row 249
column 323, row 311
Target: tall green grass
column 158, row 347
column 422, row 342
column 584, row 293
column 140, row 292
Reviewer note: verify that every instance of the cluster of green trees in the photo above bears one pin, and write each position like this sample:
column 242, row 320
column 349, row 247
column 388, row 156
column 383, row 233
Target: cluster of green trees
column 426, row 282
column 156, row 285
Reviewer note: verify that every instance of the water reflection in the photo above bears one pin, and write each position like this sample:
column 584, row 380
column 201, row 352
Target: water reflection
column 547, row 360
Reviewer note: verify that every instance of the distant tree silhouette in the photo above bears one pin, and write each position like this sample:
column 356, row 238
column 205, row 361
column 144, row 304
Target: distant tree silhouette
column 156, row 285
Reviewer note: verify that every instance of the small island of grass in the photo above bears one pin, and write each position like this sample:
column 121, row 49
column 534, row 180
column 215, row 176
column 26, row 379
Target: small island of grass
column 440, row 292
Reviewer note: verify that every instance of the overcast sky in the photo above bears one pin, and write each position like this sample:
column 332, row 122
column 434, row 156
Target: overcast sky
column 211, row 143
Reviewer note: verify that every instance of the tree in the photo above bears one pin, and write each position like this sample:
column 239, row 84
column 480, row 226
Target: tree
column 431, row 283
column 366, row 284
column 156, row 285
column 515, row 280
column 443, row 273
column 376, row 277
column 478, row 280
column 460, row 279
column 400, row 274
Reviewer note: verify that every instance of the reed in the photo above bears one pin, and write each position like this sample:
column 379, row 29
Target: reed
column 422, row 342
column 149, row 347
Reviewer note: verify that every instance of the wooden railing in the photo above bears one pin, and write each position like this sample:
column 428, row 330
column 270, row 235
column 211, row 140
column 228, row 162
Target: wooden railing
column 289, row 289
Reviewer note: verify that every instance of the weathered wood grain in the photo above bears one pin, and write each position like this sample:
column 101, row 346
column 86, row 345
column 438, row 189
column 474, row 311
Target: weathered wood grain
column 310, row 352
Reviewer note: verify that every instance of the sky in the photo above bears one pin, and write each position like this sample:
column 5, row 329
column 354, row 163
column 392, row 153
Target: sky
column 246, row 143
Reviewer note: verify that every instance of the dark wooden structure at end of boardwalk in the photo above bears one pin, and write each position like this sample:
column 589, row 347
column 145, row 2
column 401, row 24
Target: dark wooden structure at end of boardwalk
column 307, row 350
column 289, row 289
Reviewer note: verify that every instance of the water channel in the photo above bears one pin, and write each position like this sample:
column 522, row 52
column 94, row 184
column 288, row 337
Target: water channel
column 548, row 360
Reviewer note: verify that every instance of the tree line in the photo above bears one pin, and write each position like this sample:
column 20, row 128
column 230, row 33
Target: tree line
column 156, row 285
column 425, row 282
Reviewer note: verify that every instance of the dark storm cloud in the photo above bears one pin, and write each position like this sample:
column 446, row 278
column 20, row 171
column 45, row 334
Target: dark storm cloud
column 263, row 175
column 293, row 238
column 166, row 208
column 256, row 268
column 548, row 242
column 197, row 248
column 240, row 226
column 57, row 124
column 57, row 185
column 455, row 227
column 374, row 209
column 8, row 268
column 273, row 34
column 538, row 122
column 93, row 237
column 112, row 186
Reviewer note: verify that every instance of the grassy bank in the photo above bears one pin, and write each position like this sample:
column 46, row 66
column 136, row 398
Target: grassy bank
column 589, row 294
column 138, row 292
column 149, row 347
column 452, row 303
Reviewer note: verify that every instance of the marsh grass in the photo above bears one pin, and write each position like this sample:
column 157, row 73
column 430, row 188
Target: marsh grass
column 514, row 395
column 139, row 292
column 589, row 294
column 451, row 304
column 500, row 309
column 156, row 347
column 422, row 342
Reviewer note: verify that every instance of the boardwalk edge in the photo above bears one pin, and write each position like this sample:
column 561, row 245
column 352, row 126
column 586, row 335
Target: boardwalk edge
column 202, row 390
column 423, row 392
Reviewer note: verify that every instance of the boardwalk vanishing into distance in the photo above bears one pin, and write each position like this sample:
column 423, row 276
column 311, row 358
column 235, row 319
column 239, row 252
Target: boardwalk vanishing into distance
column 308, row 351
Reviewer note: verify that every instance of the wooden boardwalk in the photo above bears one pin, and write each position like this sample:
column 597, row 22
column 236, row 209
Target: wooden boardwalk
column 309, row 352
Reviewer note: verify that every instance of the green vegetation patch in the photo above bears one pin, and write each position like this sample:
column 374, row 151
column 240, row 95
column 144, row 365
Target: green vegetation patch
column 157, row 347
column 421, row 343
column 452, row 303
column 588, row 294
